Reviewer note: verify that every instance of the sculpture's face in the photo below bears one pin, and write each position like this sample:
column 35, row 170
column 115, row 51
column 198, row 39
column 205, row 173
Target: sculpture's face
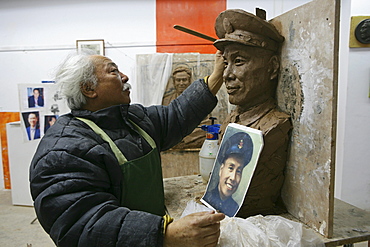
column 181, row 81
column 365, row 30
column 247, row 75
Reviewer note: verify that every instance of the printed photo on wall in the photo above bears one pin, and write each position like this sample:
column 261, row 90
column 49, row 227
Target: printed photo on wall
column 40, row 106
column 32, row 125
column 233, row 169
column 35, row 97
column 49, row 121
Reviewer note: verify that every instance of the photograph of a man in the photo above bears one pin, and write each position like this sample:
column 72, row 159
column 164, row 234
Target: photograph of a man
column 36, row 99
column 49, row 121
column 234, row 155
column 32, row 125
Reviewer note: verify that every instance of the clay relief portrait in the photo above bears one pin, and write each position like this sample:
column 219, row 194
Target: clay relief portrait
column 187, row 68
column 251, row 48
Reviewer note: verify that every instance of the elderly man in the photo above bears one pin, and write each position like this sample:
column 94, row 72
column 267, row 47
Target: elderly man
column 96, row 176
column 235, row 154
column 250, row 47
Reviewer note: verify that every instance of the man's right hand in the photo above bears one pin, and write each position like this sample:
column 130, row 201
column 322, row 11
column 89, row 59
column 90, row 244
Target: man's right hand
column 197, row 229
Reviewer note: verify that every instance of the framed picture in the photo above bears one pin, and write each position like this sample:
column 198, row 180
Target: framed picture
column 95, row 45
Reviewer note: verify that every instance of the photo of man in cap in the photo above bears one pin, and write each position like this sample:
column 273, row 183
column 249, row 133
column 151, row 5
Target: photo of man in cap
column 251, row 47
column 235, row 154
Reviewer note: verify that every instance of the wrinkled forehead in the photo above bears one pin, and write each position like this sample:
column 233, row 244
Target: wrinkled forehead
column 99, row 60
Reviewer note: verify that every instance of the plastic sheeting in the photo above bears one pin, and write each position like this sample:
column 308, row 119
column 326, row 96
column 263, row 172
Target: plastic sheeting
column 154, row 72
column 256, row 231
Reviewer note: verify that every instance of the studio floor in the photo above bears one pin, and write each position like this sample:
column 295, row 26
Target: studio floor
column 16, row 229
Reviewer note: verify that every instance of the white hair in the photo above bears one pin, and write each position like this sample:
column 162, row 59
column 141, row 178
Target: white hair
column 77, row 71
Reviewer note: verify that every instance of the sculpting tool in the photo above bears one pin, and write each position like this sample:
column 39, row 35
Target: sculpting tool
column 195, row 33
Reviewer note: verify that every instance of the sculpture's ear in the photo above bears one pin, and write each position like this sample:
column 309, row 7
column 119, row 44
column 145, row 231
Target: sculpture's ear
column 88, row 90
column 274, row 65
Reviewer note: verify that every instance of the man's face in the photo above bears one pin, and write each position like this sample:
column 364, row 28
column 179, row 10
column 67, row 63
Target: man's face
column 181, row 81
column 32, row 119
column 230, row 176
column 110, row 89
column 246, row 75
column 36, row 93
column 52, row 121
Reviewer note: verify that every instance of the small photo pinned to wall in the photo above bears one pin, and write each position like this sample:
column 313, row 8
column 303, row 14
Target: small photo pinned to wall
column 31, row 122
column 35, row 97
column 49, row 121
column 233, row 169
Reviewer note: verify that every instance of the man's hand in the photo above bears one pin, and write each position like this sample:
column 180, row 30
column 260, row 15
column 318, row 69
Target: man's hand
column 215, row 80
column 197, row 229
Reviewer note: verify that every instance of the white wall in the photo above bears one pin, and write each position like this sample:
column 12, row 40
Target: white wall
column 354, row 165
column 36, row 35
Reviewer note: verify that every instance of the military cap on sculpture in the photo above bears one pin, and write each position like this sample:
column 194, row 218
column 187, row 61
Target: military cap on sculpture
column 236, row 25
column 240, row 144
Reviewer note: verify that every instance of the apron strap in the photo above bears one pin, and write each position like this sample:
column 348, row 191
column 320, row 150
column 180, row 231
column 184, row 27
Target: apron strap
column 145, row 135
column 119, row 155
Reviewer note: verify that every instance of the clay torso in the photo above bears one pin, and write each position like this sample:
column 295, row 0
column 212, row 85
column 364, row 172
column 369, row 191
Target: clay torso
column 263, row 196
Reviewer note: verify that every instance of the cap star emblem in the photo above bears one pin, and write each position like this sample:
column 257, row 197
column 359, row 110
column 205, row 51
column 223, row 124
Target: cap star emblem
column 241, row 143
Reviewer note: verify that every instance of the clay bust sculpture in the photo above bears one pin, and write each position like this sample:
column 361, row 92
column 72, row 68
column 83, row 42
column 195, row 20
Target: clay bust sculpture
column 181, row 78
column 250, row 48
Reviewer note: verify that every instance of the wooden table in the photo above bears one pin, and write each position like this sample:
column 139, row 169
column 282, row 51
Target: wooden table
column 351, row 224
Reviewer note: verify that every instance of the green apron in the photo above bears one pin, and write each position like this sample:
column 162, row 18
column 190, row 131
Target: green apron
column 142, row 187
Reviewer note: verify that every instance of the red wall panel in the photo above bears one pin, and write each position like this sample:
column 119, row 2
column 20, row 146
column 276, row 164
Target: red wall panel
column 6, row 117
column 193, row 14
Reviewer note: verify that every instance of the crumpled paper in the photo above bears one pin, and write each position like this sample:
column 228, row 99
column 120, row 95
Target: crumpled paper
column 257, row 231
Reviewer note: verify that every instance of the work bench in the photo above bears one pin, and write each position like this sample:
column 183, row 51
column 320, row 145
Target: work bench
column 351, row 224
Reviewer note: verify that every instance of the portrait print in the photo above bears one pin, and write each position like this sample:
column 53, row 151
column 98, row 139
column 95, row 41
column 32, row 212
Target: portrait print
column 32, row 125
column 49, row 121
column 35, row 97
column 233, row 169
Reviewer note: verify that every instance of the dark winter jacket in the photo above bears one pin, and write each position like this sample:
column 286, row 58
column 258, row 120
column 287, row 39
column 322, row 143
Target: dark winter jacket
column 75, row 177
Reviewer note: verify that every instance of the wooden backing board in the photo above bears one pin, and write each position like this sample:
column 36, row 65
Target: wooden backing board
column 307, row 90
